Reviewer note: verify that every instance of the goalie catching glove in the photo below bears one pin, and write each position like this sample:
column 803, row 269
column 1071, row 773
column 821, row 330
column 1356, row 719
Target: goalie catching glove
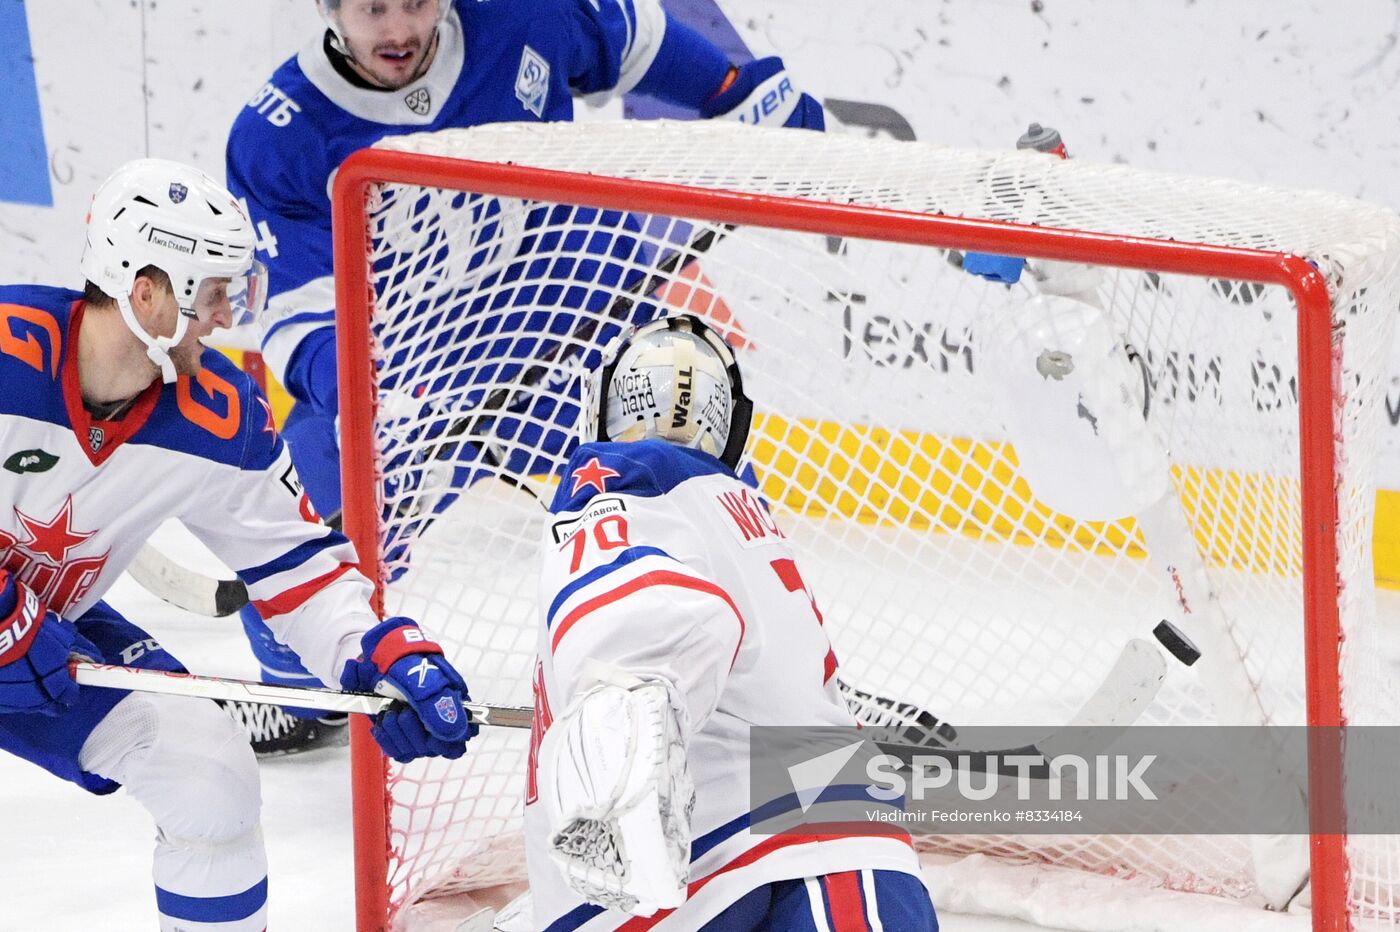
column 35, row 645
column 618, row 795
column 399, row 661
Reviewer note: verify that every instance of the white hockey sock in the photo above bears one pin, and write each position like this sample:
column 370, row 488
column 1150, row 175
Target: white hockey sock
column 191, row 767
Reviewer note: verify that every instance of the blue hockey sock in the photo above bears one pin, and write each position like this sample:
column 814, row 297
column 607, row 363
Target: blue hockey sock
column 278, row 663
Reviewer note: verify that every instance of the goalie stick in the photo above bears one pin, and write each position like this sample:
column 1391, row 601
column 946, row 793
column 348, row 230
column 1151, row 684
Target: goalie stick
column 217, row 598
column 137, row 679
column 1119, row 700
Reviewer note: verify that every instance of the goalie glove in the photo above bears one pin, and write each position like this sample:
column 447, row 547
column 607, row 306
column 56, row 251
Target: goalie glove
column 618, row 797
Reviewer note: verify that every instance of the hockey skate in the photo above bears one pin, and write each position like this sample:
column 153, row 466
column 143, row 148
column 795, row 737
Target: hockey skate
column 274, row 733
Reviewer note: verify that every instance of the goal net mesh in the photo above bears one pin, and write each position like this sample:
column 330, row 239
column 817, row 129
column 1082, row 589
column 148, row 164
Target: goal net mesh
column 881, row 442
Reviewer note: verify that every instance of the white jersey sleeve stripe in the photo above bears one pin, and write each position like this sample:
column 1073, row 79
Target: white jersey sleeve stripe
column 315, row 564
column 631, row 557
column 817, row 903
column 653, row 578
column 291, row 316
column 872, row 905
column 294, row 598
column 292, row 559
column 646, row 34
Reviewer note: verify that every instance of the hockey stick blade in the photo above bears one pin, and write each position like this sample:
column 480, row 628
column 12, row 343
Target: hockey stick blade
column 1129, row 687
column 186, row 588
column 137, row 679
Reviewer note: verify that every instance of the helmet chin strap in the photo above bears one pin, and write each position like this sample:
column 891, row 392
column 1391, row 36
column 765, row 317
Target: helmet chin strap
column 157, row 348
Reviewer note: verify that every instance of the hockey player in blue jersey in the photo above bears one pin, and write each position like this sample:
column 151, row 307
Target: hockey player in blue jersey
column 114, row 419
column 390, row 67
column 673, row 619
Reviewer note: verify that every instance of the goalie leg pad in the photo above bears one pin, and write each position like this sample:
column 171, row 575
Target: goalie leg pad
column 619, row 797
column 190, row 766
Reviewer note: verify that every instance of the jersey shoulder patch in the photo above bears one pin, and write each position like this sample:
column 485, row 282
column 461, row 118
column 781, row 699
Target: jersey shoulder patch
column 33, row 321
column 647, row 468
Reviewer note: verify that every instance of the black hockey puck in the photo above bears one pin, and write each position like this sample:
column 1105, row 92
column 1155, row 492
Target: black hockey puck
column 1176, row 643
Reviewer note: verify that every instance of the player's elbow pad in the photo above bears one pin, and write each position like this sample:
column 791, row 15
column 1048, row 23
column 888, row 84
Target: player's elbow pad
column 763, row 94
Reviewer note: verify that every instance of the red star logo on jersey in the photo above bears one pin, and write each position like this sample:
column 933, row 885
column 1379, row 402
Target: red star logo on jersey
column 595, row 474
column 54, row 539
column 271, row 426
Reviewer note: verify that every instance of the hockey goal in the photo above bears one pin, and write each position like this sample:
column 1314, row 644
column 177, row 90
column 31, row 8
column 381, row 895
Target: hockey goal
column 478, row 271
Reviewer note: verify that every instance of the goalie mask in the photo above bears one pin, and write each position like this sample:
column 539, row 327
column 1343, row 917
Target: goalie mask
column 673, row 379
column 168, row 215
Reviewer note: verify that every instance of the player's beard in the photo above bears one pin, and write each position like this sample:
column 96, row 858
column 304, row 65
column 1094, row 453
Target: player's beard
column 186, row 357
column 420, row 54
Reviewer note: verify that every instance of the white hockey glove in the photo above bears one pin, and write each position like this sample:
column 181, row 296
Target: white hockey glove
column 618, row 796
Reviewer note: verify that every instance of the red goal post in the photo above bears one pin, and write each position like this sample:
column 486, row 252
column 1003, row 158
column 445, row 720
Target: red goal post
column 1319, row 389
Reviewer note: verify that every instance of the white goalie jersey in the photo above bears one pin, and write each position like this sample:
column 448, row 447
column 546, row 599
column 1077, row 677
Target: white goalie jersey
column 661, row 564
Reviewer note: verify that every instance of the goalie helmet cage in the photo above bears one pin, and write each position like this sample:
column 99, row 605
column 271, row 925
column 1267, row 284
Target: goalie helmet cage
column 1260, row 320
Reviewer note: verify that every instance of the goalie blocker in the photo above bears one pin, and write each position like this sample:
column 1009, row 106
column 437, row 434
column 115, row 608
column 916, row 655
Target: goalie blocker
column 665, row 634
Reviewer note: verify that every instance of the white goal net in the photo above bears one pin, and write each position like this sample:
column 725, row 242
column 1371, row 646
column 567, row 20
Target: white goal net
column 885, row 440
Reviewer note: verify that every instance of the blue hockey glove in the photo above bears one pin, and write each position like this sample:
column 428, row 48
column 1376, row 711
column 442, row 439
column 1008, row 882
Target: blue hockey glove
column 762, row 94
column 398, row 660
column 1003, row 269
column 34, row 648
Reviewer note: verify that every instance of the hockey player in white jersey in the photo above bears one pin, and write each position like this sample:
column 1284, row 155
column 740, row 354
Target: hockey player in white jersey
column 114, row 418
column 391, row 67
column 674, row 619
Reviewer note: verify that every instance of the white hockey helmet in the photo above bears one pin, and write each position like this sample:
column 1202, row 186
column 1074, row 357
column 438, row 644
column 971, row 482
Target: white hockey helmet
column 154, row 212
column 330, row 12
column 674, row 379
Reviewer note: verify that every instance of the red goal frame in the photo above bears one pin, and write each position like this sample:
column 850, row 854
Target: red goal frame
column 1319, row 391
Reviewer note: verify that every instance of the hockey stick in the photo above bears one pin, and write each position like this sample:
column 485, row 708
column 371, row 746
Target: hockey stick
column 186, row 588
column 1129, row 688
column 217, row 598
column 136, row 679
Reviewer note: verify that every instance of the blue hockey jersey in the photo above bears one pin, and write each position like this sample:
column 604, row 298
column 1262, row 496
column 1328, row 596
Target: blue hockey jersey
column 79, row 496
column 497, row 60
